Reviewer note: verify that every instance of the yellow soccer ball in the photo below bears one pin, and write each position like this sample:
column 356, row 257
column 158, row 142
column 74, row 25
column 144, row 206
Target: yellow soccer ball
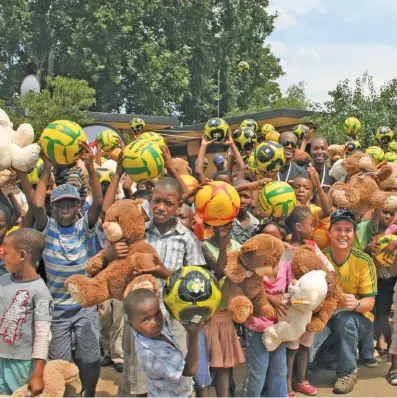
column 216, row 129
column 190, row 182
column 108, row 140
column 273, row 136
column 153, row 137
column 104, row 175
column 352, row 146
column 384, row 135
column 269, row 157
column 34, row 175
column 376, row 153
column 143, row 160
column 60, row 141
column 252, row 161
column 137, row 125
column 352, row 127
column 392, row 147
column 277, row 199
column 300, row 130
column 245, row 138
column 243, row 66
column 217, row 203
column 382, row 256
column 267, row 128
column 251, row 123
column 390, row 157
column 192, row 294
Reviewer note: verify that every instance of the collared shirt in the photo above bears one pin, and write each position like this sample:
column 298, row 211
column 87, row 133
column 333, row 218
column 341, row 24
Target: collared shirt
column 162, row 364
column 242, row 234
column 290, row 171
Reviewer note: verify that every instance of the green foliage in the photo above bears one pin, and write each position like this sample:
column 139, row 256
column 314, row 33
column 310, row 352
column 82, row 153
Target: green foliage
column 294, row 98
column 63, row 98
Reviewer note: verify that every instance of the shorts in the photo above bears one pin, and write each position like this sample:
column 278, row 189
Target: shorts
column 84, row 322
column 202, row 378
column 306, row 340
column 14, row 373
column 384, row 299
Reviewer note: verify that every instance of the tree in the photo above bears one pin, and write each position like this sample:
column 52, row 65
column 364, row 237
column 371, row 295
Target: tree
column 63, row 98
column 295, row 98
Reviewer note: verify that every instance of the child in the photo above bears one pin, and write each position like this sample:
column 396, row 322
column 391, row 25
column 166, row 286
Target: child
column 26, row 309
column 301, row 225
column 270, row 227
column 185, row 215
column 160, row 358
column 4, row 223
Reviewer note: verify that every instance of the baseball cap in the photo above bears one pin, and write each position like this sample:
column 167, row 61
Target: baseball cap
column 64, row 191
column 343, row 214
column 218, row 158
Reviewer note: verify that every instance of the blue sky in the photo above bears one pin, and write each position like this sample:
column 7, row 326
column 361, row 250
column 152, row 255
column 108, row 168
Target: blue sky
column 324, row 41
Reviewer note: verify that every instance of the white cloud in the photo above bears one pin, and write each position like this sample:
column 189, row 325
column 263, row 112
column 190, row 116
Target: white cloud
column 308, row 54
column 277, row 47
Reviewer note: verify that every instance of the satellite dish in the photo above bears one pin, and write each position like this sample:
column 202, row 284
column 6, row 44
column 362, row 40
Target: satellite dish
column 30, row 85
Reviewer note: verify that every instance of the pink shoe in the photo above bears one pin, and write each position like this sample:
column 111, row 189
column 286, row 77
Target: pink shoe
column 306, row 388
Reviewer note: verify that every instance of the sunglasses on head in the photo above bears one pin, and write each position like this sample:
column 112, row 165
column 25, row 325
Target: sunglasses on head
column 286, row 143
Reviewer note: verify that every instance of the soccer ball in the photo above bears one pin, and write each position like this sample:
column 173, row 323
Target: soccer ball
column 153, row 137
column 217, row 203
column 352, row 146
column 381, row 256
column 245, row 138
column 216, row 129
column 251, row 123
column 252, row 161
column 376, row 153
column 300, row 130
column 267, row 128
column 104, row 175
column 392, row 147
column 269, row 157
column 115, row 154
column 277, row 199
column 137, row 125
column 192, row 294
column 352, row 127
column 108, row 140
column 60, row 141
column 143, row 160
column 243, row 66
column 384, row 135
column 273, row 136
column 390, row 157
column 35, row 173
column 190, row 182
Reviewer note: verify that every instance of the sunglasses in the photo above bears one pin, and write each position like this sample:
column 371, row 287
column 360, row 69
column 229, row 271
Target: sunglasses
column 286, row 143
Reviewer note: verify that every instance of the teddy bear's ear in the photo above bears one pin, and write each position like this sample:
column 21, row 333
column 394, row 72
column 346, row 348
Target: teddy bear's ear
column 248, row 252
column 143, row 212
column 384, row 172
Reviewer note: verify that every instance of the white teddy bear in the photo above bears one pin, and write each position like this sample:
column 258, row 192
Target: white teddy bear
column 17, row 149
column 304, row 296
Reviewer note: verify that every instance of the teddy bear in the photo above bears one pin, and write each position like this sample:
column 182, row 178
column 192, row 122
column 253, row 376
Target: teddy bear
column 386, row 197
column 302, row 158
column 17, row 149
column 337, row 171
column 181, row 166
column 61, row 379
column 243, row 289
column 125, row 219
column 304, row 296
column 335, row 152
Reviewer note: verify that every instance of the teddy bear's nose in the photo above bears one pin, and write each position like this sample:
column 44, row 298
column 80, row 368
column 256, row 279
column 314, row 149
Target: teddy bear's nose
column 294, row 282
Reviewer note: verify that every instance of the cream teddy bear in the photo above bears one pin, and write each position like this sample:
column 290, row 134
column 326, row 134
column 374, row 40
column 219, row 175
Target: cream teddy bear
column 304, row 296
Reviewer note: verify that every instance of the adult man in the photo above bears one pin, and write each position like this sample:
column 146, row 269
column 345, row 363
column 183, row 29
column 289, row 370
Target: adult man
column 290, row 170
column 351, row 327
column 319, row 155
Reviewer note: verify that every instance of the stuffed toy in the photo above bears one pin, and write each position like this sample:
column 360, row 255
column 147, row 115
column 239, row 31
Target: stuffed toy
column 335, row 153
column 181, row 166
column 302, row 158
column 243, row 289
column 386, row 197
column 61, row 379
column 303, row 296
column 337, row 171
column 17, row 149
column 125, row 219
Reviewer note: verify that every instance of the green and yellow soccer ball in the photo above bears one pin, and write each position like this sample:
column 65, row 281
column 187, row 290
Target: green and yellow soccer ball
column 35, row 173
column 392, row 147
column 251, row 123
column 192, row 294
column 376, row 153
column 104, row 175
column 352, row 145
column 243, row 66
column 384, row 135
column 352, row 127
column 60, row 141
column 153, row 137
column 143, row 160
column 277, row 199
column 137, row 125
column 216, row 129
column 108, row 140
column 382, row 256
column 251, row 162
column 300, row 130
column 267, row 128
column 390, row 157
column 245, row 138
column 269, row 157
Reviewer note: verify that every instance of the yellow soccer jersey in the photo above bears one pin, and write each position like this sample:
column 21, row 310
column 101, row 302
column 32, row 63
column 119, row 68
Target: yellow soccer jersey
column 357, row 275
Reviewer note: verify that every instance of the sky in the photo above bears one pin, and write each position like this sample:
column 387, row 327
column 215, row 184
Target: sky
column 325, row 41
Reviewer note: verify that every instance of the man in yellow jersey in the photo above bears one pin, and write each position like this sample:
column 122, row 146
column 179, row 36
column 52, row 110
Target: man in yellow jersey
column 351, row 327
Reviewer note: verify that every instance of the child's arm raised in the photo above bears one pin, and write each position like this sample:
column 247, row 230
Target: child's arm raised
column 200, row 159
column 236, row 156
column 171, row 169
column 111, row 192
column 191, row 360
column 324, row 202
column 224, row 241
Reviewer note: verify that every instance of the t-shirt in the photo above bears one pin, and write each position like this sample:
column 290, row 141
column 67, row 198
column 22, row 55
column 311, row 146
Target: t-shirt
column 65, row 254
column 21, row 304
column 289, row 172
column 363, row 235
column 326, row 180
column 242, row 234
column 3, row 269
column 357, row 275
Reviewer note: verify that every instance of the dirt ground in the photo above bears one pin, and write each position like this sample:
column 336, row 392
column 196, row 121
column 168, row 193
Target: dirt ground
column 372, row 382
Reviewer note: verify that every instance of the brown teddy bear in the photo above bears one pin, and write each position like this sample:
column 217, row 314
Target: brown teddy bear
column 125, row 219
column 302, row 158
column 243, row 289
column 61, row 379
column 181, row 166
column 386, row 197
column 335, row 153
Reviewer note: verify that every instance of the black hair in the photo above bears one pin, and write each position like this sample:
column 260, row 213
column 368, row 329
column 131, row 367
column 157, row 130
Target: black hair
column 264, row 223
column 29, row 240
column 104, row 187
column 223, row 172
column 7, row 214
column 143, row 194
column 239, row 182
column 297, row 216
column 169, row 182
column 319, row 139
column 135, row 298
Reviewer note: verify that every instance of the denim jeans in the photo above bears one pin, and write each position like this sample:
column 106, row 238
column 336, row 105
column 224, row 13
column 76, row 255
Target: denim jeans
column 262, row 363
column 349, row 330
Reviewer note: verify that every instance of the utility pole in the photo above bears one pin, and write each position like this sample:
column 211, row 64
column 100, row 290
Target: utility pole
column 219, row 88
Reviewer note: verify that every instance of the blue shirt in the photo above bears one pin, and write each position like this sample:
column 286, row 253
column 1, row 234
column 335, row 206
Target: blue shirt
column 163, row 364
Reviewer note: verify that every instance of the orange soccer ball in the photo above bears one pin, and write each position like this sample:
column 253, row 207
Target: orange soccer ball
column 189, row 181
column 217, row 203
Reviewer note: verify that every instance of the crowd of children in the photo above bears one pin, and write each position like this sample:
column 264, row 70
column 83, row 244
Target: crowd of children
column 62, row 228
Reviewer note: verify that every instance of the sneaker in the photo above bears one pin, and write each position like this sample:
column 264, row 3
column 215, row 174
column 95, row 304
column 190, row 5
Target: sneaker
column 369, row 362
column 119, row 367
column 346, row 383
column 383, row 357
column 106, row 361
column 306, row 388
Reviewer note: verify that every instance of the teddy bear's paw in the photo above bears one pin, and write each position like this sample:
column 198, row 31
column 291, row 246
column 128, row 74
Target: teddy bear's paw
column 241, row 308
column 339, row 197
column 75, row 292
column 270, row 339
column 148, row 282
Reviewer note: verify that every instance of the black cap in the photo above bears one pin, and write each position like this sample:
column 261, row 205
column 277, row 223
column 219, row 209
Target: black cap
column 343, row 214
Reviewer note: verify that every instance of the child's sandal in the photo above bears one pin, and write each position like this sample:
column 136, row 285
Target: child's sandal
column 392, row 377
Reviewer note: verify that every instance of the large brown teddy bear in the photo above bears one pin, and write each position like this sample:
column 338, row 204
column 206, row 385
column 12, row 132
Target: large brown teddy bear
column 125, row 219
column 386, row 197
column 243, row 289
column 305, row 260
